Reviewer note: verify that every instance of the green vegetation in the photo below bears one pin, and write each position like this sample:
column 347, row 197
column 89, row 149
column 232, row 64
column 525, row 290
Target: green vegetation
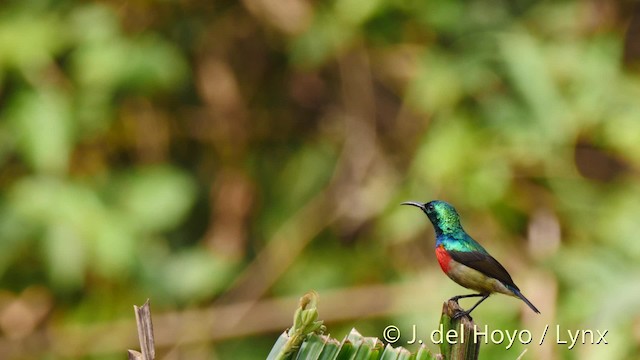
column 305, row 341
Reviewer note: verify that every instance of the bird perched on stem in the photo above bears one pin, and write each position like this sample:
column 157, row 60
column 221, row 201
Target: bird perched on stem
column 464, row 260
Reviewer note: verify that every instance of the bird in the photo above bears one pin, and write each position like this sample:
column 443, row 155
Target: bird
column 464, row 260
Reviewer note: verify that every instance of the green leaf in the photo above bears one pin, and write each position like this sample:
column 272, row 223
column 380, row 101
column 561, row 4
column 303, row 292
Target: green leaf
column 356, row 12
column 194, row 275
column 347, row 350
column 330, row 350
column 371, row 348
column 107, row 60
column 530, row 73
column 389, row 353
column 403, row 354
column 41, row 122
column 66, row 257
column 323, row 39
column 152, row 64
column 29, row 39
column 424, row 353
column 437, row 87
column 114, row 246
column 312, row 347
column 156, row 198
column 278, row 347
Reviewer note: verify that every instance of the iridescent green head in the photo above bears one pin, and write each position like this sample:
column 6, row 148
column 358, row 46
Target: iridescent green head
column 443, row 216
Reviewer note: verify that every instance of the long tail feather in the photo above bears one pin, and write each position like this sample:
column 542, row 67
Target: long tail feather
column 526, row 301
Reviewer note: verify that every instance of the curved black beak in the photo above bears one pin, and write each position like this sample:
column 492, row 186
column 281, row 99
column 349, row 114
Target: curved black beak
column 421, row 206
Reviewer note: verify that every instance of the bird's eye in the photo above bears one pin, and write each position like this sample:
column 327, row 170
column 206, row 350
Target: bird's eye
column 430, row 207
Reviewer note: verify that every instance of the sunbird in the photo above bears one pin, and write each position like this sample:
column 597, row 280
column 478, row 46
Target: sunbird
column 464, row 260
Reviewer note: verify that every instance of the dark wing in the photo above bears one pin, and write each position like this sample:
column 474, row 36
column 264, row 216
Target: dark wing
column 484, row 263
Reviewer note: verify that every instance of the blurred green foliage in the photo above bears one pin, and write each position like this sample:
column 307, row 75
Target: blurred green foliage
column 157, row 148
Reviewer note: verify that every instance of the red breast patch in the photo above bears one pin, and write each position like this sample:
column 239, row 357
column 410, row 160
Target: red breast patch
column 443, row 258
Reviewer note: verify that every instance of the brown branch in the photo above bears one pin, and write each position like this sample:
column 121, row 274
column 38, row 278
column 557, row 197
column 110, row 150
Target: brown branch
column 465, row 345
column 145, row 334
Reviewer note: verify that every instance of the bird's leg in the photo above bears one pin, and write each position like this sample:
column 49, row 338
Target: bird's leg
column 466, row 313
column 456, row 298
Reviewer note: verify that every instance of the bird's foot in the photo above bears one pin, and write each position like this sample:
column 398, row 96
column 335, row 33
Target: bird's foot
column 460, row 314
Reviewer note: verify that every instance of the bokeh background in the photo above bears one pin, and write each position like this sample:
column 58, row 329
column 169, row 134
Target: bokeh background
column 222, row 158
